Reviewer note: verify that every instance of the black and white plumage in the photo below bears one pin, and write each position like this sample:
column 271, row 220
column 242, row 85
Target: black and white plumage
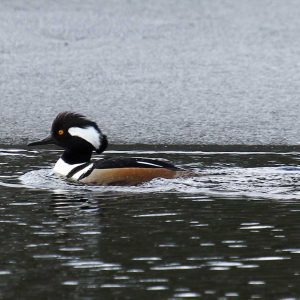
column 80, row 137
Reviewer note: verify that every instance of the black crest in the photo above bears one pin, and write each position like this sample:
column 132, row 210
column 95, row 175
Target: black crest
column 65, row 120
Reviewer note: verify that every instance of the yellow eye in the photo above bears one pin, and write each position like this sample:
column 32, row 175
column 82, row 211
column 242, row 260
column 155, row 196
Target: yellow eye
column 60, row 132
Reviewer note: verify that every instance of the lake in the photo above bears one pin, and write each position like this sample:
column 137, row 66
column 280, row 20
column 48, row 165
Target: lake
column 232, row 231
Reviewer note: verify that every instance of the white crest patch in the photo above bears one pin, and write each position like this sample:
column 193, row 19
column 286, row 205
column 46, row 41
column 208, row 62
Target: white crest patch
column 90, row 134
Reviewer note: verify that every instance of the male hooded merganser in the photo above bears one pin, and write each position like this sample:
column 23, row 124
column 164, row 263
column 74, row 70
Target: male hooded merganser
column 80, row 136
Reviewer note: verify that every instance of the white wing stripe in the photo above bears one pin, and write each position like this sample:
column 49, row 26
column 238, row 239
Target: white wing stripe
column 150, row 164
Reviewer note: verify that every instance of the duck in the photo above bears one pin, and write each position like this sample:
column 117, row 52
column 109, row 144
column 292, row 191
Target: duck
column 80, row 137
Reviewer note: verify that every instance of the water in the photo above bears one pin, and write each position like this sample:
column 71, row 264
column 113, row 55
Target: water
column 169, row 72
column 231, row 232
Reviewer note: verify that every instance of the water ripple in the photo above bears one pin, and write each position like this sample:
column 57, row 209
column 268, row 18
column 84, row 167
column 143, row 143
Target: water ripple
column 265, row 182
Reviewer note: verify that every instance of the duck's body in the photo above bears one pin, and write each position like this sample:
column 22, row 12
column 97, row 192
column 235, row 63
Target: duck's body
column 118, row 171
column 80, row 137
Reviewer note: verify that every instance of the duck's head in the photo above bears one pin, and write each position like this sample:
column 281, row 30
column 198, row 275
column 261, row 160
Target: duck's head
column 74, row 131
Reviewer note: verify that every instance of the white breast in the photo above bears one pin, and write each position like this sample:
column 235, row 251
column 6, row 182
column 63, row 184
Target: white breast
column 63, row 168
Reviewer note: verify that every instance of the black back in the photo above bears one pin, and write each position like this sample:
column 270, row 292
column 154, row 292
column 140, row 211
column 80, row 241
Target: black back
column 133, row 162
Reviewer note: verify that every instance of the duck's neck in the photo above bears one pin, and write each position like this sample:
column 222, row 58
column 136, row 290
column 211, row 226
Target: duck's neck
column 77, row 156
column 71, row 161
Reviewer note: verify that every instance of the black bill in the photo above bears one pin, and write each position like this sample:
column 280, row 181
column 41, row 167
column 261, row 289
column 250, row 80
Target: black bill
column 48, row 140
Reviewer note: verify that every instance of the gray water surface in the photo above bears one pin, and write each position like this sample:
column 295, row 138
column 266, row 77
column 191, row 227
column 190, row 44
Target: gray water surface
column 231, row 232
column 173, row 72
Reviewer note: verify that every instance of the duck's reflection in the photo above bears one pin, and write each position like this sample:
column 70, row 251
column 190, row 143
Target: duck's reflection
column 65, row 204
